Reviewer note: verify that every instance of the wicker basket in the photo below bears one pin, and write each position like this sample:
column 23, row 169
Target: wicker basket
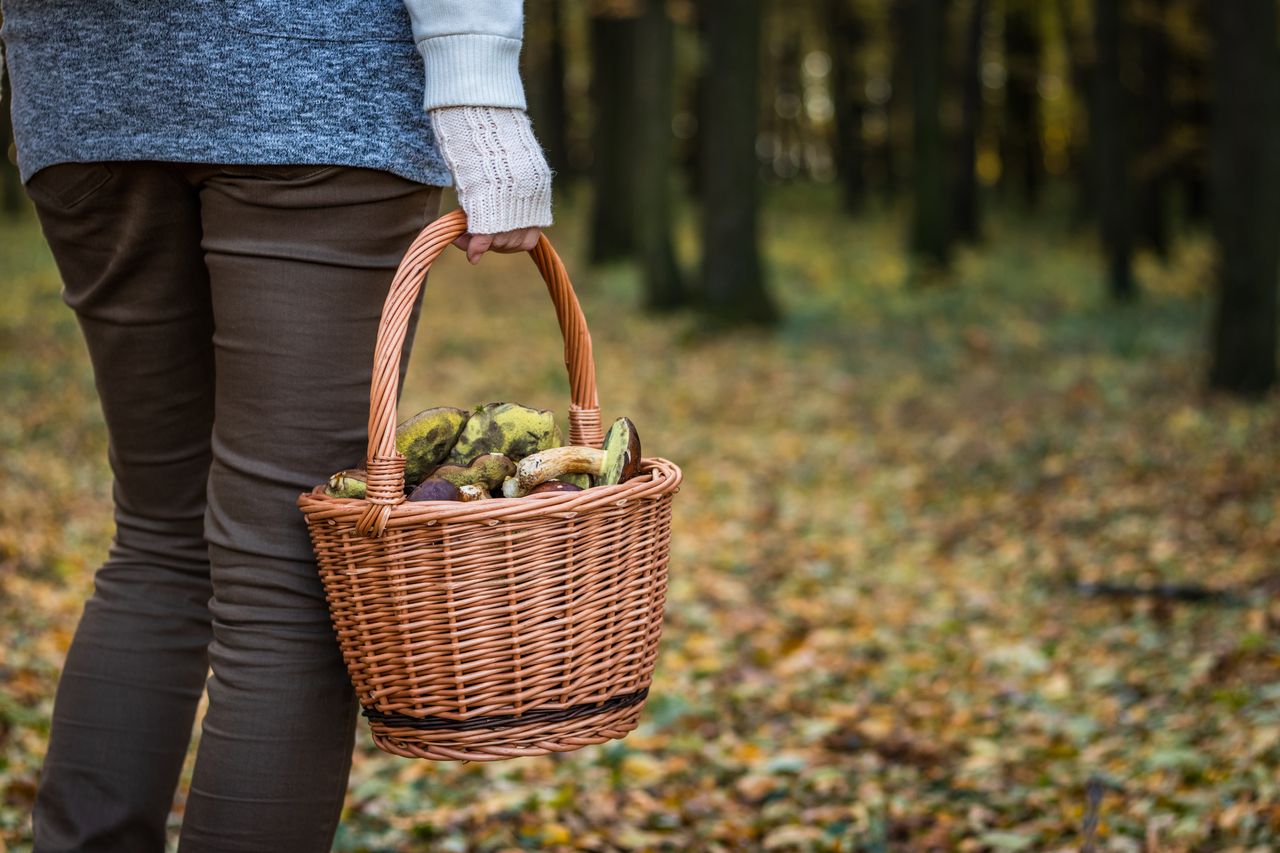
column 500, row 628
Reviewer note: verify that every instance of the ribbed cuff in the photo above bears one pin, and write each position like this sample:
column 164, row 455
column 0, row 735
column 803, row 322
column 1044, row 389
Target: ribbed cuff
column 493, row 209
column 472, row 69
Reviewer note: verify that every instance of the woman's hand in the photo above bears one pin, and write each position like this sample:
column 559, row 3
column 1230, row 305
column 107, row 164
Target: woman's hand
column 519, row 240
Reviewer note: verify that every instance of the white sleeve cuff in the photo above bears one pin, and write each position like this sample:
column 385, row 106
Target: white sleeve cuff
column 472, row 69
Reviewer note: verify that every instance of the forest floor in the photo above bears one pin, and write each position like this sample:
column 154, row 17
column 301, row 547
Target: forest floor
column 885, row 629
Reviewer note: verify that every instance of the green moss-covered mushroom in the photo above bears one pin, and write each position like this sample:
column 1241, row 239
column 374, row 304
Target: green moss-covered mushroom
column 488, row 471
column 426, row 439
column 513, row 430
column 352, row 483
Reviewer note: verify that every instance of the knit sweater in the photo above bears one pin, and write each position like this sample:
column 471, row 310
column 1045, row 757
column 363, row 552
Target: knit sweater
column 275, row 81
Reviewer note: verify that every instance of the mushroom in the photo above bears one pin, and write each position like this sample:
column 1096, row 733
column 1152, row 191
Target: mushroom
column 352, row 483
column 618, row 462
column 622, row 454
column 488, row 471
column 549, row 464
column 472, row 492
column 435, row 489
column 426, row 439
column 507, row 428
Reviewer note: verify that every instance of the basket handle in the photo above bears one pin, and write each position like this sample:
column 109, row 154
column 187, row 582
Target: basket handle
column 383, row 464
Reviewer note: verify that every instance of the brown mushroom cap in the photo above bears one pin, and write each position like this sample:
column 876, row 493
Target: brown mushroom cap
column 621, row 454
column 435, row 489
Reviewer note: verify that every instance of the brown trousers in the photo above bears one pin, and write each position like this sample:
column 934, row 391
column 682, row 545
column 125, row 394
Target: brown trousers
column 230, row 314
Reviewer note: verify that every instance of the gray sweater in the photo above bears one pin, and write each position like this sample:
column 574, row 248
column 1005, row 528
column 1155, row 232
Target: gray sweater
column 253, row 81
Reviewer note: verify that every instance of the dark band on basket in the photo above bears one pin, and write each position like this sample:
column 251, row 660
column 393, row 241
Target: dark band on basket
column 550, row 715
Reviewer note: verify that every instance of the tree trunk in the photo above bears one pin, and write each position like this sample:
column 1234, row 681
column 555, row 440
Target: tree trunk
column 1023, row 154
column 615, row 132
column 897, row 112
column 1111, row 145
column 1245, row 194
column 846, row 34
column 1192, row 115
column 929, row 227
column 653, row 105
column 694, row 99
column 543, row 61
column 1194, row 171
column 1082, row 149
column 965, row 215
column 732, row 277
column 1151, row 214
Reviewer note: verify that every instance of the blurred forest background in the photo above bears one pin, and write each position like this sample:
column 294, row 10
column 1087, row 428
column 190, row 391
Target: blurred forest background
column 1142, row 119
column 960, row 316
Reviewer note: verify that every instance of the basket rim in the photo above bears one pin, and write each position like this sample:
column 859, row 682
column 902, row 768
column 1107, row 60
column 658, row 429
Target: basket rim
column 658, row 477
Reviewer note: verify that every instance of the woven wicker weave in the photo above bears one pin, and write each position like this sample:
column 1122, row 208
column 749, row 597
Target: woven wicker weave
column 499, row 628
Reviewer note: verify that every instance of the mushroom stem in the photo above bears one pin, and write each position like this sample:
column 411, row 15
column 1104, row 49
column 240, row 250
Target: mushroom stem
column 473, row 492
column 549, row 464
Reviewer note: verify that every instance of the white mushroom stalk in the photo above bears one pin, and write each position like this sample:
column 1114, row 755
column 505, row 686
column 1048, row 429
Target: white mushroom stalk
column 548, row 464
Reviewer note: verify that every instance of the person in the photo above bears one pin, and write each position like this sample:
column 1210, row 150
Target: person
column 226, row 190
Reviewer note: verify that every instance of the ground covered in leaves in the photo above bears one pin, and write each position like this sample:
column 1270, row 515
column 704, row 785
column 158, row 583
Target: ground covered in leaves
column 900, row 613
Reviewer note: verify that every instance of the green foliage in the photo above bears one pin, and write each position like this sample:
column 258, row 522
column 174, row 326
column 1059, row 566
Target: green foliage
column 874, row 639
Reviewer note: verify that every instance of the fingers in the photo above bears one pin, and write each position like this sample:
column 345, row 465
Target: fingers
column 519, row 240
column 477, row 246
